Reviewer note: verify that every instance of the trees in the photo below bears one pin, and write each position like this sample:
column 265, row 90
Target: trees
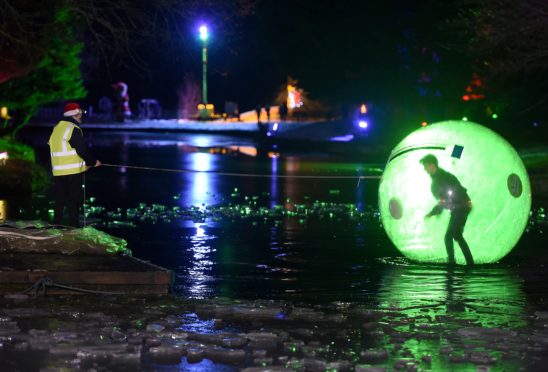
column 43, row 57
column 507, row 36
column 41, row 63
column 508, row 40
column 55, row 76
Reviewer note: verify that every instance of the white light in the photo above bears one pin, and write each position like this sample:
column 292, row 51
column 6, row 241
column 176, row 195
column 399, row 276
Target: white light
column 362, row 124
column 3, row 157
column 275, row 127
column 203, row 32
column 201, row 161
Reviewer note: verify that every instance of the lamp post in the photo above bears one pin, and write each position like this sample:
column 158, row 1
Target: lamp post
column 203, row 37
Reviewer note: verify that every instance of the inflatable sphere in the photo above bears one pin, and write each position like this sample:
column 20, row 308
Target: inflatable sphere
column 484, row 163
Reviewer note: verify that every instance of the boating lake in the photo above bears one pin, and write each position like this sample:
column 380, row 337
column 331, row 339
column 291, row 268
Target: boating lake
column 207, row 207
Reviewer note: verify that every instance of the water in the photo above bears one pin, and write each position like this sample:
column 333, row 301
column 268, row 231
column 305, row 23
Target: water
column 299, row 241
column 324, row 252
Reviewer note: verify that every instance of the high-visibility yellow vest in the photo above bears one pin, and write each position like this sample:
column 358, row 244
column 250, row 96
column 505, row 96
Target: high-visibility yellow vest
column 64, row 159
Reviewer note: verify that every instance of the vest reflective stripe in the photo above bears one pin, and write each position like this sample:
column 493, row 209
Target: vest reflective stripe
column 64, row 158
column 63, row 153
column 68, row 166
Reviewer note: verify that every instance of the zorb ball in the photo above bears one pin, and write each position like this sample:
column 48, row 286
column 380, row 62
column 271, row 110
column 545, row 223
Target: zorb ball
column 485, row 164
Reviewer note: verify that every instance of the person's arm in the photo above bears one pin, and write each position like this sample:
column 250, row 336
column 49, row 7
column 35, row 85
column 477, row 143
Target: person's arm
column 77, row 141
column 436, row 210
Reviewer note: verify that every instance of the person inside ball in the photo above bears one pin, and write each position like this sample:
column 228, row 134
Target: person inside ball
column 451, row 195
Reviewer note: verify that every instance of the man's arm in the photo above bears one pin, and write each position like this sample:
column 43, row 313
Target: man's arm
column 436, row 210
column 77, row 141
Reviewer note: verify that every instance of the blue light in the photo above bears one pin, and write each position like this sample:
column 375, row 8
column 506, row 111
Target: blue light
column 362, row 124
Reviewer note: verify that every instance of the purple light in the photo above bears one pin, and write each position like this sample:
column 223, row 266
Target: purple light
column 362, row 124
column 345, row 138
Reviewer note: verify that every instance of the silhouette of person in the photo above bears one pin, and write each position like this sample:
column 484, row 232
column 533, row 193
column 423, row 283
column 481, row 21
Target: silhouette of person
column 451, row 195
column 258, row 111
column 121, row 99
column 262, row 127
column 283, row 111
column 267, row 109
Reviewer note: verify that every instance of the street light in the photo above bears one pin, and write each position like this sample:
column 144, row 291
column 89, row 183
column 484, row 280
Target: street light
column 203, row 37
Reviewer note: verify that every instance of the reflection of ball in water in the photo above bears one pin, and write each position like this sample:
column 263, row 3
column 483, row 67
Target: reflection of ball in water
column 484, row 163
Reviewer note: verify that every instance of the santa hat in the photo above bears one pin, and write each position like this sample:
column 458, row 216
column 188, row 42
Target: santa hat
column 72, row 109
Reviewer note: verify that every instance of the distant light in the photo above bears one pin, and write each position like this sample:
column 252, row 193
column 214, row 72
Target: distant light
column 345, row 138
column 4, row 112
column 535, row 124
column 363, row 108
column 246, row 150
column 464, row 118
column 3, row 157
column 268, row 134
column 294, row 97
column 424, row 124
column 466, row 97
column 362, row 124
column 494, row 116
column 203, row 32
column 275, row 127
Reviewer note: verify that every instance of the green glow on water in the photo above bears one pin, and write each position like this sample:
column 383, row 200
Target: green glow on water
column 489, row 168
column 437, row 306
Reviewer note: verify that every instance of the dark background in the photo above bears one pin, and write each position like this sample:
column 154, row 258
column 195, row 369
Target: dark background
column 341, row 53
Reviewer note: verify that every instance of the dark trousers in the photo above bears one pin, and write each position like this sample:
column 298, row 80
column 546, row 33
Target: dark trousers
column 68, row 193
column 454, row 232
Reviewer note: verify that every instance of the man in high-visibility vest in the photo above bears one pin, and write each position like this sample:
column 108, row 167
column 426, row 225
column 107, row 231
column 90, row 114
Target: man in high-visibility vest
column 70, row 158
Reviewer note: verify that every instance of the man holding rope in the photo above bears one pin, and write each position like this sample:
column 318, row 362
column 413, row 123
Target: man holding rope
column 70, row 158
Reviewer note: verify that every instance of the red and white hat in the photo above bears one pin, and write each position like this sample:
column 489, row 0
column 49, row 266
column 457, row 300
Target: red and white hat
column 72, row 109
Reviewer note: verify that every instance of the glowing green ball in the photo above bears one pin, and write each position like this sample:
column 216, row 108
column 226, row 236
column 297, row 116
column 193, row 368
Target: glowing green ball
column 485, row 164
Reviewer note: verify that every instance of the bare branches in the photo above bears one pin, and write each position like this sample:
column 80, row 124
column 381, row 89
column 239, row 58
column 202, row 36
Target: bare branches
column 112, row 30
column 507, row 36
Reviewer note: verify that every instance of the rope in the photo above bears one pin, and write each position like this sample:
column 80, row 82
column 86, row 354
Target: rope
column 42, row 283
column 84, row 204
column 240, row 174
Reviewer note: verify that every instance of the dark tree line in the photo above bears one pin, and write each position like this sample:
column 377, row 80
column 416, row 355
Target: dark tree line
column 507, row 43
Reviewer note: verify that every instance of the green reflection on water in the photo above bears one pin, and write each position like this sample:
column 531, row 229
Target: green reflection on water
column 437, row 307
